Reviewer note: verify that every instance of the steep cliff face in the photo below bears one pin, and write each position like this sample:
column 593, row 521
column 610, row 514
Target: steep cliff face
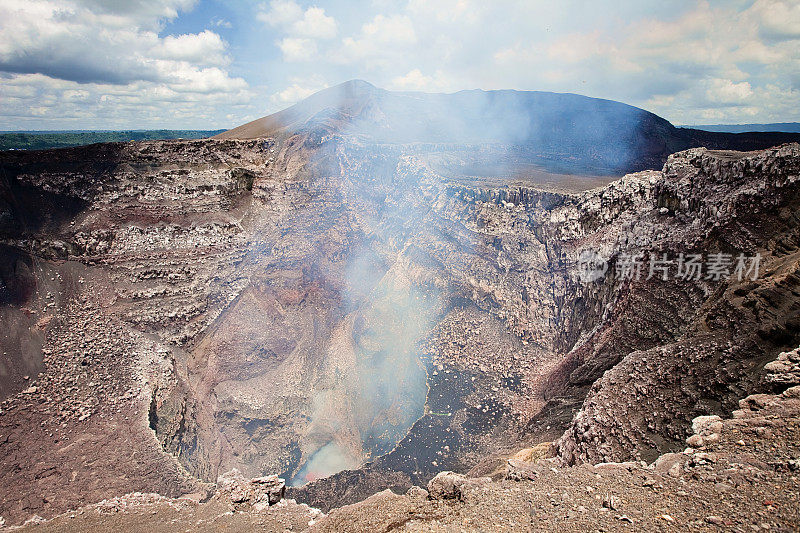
column 512, row 254
column 306, row 306
column 714, row 201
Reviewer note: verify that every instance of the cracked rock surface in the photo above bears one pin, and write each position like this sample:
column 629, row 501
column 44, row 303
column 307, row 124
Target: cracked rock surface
column 180, row 309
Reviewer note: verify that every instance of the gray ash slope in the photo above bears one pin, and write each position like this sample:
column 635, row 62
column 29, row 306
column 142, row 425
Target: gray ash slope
column 301, row 303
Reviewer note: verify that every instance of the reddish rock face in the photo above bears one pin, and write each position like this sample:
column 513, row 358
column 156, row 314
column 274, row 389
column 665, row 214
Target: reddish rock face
column 280, row 306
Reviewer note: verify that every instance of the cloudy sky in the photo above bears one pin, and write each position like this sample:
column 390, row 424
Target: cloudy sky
column 113, row 64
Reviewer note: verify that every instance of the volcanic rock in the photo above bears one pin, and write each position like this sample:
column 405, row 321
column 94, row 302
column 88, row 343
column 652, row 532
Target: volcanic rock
column 359, row 313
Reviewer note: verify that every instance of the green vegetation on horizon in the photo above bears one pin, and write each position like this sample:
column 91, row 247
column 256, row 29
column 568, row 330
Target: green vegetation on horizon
column 59, row 139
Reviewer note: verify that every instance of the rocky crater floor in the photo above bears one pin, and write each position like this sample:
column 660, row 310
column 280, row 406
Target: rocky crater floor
column 738, row 474
column 201, row 334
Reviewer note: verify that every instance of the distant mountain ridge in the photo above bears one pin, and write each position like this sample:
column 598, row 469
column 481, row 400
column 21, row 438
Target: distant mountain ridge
column 594, row 135
column 785, row 127
column 41, row 140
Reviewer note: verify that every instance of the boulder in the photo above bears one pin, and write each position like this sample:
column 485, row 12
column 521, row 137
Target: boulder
column 446, row 486
column 258, row 492
column 453, row 486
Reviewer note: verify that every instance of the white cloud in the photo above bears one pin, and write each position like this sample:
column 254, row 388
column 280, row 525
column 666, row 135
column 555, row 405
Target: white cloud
column 280, row 13
column 393, row 29
column 778, row 19
column 221, row 23
column 380, row 42
column 679, row 60
column 709, row 57
column 298, row 90
column 186, row 78
column 683, row 60
column 415, row 80
column 67, row 40
column 297, row 48
column 200, row 48
column 728, row 92
column 75, row 95
column 71, row 59
column 577, row 47
column 141, row 13
column 302, row 28
column 448, row 11
column 68, row 104
column 315, row 23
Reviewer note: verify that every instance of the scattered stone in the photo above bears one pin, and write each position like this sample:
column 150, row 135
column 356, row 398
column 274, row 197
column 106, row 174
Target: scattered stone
column 695, row 441
column 446, row 486
column 262, row 491
column 611, row 502
column 705, row 425
column 417, row 493
column 449, row 485
column 703, row 458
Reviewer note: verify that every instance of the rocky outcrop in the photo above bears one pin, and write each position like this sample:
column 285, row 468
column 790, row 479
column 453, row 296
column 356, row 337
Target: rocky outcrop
column 257, row 492
column 784, row 372
column 449, row 485
column 742, row 476
column 642, row 406
column 279, row 306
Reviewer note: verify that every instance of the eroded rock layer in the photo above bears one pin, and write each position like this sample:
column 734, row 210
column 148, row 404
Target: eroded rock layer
column 310, row 306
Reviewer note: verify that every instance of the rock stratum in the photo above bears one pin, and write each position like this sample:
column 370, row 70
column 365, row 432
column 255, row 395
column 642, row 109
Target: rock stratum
column 190, row 325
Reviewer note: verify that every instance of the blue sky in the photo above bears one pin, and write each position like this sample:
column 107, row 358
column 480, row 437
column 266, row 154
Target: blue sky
column 112, row 64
